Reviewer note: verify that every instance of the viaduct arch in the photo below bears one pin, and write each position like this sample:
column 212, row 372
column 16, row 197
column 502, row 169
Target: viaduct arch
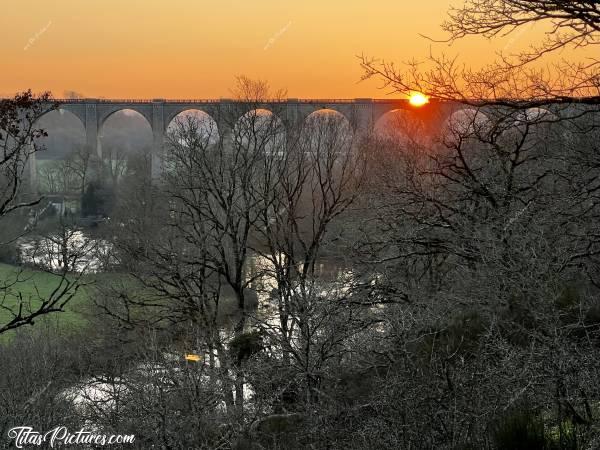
column 362, row 114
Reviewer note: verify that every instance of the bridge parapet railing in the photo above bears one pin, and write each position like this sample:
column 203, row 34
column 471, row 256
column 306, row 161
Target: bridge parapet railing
column 219, row 100
column 100, row 100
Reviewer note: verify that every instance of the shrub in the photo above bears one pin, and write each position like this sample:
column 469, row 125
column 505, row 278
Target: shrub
column 9, row 253
column 524, row 429
column 460, row 337
column 245, row 345
column 569, row 298
column 520, row 429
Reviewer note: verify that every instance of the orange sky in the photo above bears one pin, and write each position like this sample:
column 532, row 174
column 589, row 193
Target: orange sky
column 194, row 48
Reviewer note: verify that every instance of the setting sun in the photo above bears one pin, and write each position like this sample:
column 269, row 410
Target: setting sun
column 418, row 99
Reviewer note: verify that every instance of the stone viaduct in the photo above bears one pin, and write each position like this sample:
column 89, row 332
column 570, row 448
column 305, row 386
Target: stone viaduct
column 362, row 113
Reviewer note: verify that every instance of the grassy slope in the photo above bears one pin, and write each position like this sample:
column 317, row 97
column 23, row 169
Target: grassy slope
column 72, row 317
column 44, row 283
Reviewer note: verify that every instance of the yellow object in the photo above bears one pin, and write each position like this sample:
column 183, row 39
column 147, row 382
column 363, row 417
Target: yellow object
column 192, row 357
column 418, row 99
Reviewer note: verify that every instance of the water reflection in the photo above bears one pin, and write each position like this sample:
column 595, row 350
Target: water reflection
column 67, row 248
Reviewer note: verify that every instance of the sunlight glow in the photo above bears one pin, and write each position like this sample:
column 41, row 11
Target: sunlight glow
column 418, row 99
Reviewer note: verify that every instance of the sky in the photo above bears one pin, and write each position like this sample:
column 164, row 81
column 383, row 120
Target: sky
column 192, row 49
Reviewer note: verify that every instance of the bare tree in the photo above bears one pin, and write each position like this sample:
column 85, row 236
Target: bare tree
column 573, row 24
column 115, row 163
column 236, row 214
column 18, row 140
column 308, row 187
column 79, row 164
column 511, row 80
column 58, row 177
column 196, row 246
column 483, row 231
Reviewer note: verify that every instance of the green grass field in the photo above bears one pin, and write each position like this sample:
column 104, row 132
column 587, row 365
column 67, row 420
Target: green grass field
column 35, row 284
